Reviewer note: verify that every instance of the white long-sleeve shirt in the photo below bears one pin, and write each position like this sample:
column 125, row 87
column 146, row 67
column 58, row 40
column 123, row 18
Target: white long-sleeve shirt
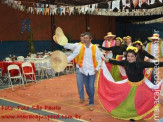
column 154, row 50
column 74, row 54
column 109, row 53
column 88, row 67
column 71, row 46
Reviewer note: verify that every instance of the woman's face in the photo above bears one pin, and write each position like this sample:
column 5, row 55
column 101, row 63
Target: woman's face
column 131, row 57
column 138, row 46
column 117, row 42
column 128, row 41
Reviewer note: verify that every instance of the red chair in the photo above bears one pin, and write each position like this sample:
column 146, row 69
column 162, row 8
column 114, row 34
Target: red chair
column 14, row 73
column 28, row 72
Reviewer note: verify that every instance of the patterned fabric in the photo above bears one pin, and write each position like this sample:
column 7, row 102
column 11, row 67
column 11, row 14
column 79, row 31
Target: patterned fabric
column 149, row 48
column 124, row 99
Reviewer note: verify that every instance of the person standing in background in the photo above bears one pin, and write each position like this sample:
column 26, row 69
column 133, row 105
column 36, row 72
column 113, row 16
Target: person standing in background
column 109, row 42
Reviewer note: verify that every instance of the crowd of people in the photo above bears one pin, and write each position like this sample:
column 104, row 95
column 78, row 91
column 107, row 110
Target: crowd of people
column 134, row 59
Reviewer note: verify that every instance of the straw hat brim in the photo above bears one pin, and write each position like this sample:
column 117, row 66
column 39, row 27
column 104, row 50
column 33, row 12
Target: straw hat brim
column 58, row 61
column 60, row 37
column 151, row 38
column 113, row 36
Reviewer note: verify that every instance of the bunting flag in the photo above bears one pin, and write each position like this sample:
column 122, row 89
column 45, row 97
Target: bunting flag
column 125, row 99
column 116, row 4
column 125, row 4
column 158, row 20
column 92, row 9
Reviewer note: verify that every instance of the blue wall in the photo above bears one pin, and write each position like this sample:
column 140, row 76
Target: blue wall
column 20, row 48
column 138, row 31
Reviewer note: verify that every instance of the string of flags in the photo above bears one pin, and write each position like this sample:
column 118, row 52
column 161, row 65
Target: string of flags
column 46, row 9
column 158, row 20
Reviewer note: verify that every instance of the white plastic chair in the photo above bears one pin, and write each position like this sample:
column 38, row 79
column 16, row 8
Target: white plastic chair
column 28, row 75
column 15, row 77
column 38, row 68
column 8, row 59
column 1, row 81
column 33, row 55
column 20, row 58
column 70, row 68
column 47, row 68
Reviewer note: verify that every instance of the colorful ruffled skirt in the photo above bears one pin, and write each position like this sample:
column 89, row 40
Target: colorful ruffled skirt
column 127, row 100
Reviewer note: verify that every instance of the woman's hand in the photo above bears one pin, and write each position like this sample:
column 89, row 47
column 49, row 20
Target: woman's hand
column 156, row 58
column 106, row 60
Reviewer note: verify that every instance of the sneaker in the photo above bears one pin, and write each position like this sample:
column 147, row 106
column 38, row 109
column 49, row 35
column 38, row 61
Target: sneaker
column 81, row 101
column 91, row 108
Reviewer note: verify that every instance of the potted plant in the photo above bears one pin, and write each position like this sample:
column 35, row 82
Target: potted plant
column 30, row 42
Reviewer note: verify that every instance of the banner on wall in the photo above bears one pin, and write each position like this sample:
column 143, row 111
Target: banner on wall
column 25, row 25
column 93, row 9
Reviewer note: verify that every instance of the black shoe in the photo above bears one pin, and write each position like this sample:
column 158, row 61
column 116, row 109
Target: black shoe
column 132, row 120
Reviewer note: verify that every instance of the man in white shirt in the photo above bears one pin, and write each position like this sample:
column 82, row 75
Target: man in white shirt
column 89, row 61
column 76, row 49
column 155, row 48
column 109, row 42
column 89, row 66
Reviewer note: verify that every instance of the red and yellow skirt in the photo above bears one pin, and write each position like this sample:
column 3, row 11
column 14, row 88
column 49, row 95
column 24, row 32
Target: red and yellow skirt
column 127, row 100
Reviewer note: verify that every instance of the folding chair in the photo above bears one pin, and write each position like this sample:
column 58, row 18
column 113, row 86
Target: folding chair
column 47, row 68
column 1, row 81
column 70, row 68
column 8, row 59
column 20, row 58
column 28, row 72
column 14, row 76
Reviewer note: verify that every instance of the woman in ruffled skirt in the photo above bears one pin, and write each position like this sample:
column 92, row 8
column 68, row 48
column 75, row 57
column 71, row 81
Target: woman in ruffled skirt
column 134, row 97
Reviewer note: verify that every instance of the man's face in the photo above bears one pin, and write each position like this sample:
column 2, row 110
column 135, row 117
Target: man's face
column 154, row 40
column 109, row 38
column 87, row 40
column 128, row 41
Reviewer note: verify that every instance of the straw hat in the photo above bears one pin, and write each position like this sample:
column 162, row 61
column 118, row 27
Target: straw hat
column 58, row 61
column 109, row 34
column 60, row 37
column 154, row 36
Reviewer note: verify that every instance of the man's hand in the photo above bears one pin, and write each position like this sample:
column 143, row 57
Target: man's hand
column 97, row 45
column 96, row 72
column 106, row 60
column 55, row 39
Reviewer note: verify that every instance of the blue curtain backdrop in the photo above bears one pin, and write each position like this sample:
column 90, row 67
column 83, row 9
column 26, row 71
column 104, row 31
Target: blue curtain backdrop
column 20, row 48
column 138, row 31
